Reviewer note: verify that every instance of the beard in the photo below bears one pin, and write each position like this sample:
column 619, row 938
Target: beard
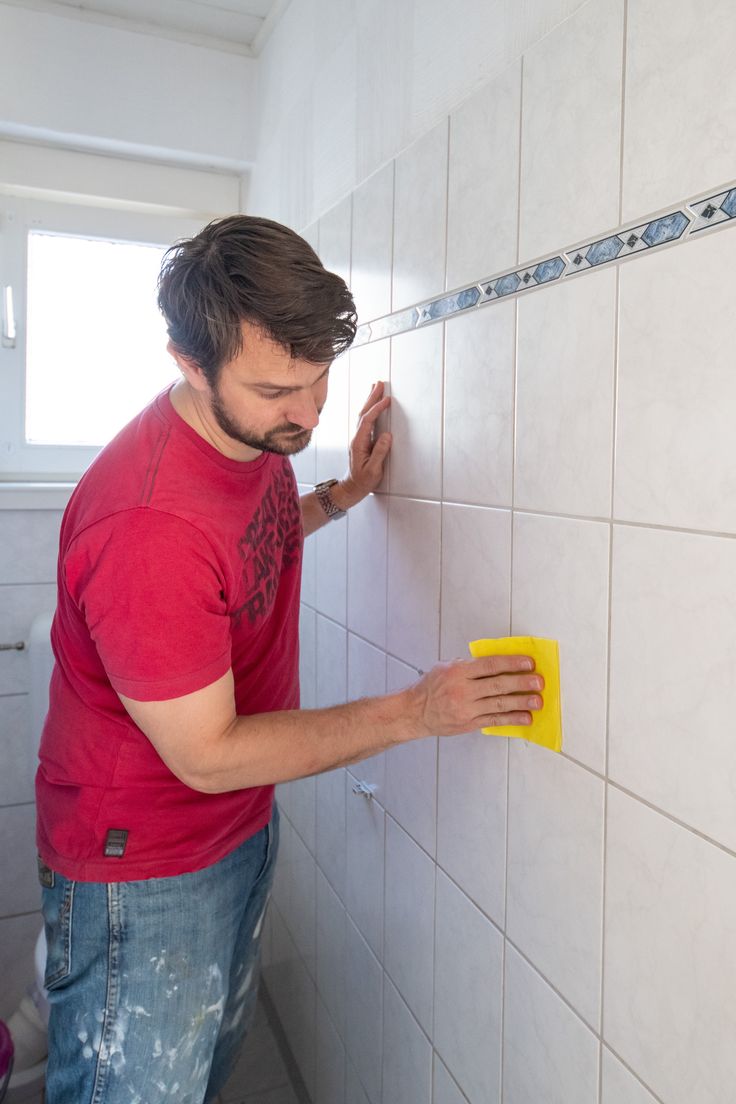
column 285, row 440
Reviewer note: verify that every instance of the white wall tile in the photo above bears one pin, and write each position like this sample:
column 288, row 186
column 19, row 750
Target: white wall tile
column 407, row 1053
column 680, row 103
column 409, row 947
column 307, row 657
column 331, row 836
column 332, row 659
column 669, row 962
column 564, row 430
column 20, row 890
column 18, row 750
column 483, row 191
column 331, row 567
column 302, row 915
column 411, row 774
column 367, row 565
column 19, row 604
column 619, row 1084
column 293, row 992
column 676, row 387
column 479, row 406
column 29, row 546
column 445, row 1089
column 311, row 234
column 673, row 646
column 549, row 1054
column 283, row 875
column 555, row 872
column 332, row 437
column 331, row 961
column 334, row 238
column 420, row 206
column 413, row 630
column 560, row 590
column 367, row 679
column 364, row 1013
column 309, row 560
column 334, row 98
column 571, row 130
column 302, row 809
column 354, row 1091
column 471, row 817
column 365, row 865
column 467, row 994
column 304, row 464
column 18, row 936
column 416, row 413
column 330, row 1072
column 476, row 577
column 373, row 210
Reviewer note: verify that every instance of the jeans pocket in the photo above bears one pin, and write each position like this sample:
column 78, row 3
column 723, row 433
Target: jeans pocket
column 57, row 908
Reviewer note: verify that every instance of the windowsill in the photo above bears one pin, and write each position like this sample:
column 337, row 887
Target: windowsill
column 35, row 496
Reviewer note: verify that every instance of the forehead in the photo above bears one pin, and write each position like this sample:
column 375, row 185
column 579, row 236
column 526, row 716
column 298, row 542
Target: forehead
column 263, row 360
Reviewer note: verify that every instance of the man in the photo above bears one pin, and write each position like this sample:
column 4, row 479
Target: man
column 174, row 704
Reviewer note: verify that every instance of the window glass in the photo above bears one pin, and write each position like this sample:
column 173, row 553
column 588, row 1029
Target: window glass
column 96, row 342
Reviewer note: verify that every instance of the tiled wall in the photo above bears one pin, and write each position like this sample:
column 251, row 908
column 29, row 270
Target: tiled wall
column 27, row 588
column 499, row 923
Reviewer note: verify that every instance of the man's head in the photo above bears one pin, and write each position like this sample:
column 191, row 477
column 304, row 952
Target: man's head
column 254, row 320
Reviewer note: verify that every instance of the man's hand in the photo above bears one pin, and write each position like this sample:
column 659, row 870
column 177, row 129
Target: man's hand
column 368, row 452
column 487, row 692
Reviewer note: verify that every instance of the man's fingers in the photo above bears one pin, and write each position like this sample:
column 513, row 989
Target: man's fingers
column 509, row 703
column 499, row 720
column 370, row 414
column 488, row 666
column 376, row 393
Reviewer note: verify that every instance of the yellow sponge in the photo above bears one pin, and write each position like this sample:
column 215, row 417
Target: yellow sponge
column 546, row 726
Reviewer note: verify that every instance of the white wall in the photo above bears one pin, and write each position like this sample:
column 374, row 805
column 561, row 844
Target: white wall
column 100, row 87
column 500, row 923
column 118, row 103
column 344, row 86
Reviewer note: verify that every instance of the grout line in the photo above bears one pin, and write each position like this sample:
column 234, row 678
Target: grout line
column 614, row 427
column 623, row 111
column 534, row 512
column 520, row 165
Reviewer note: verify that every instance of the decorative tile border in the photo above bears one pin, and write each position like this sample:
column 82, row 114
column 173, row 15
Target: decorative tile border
column 677, row 225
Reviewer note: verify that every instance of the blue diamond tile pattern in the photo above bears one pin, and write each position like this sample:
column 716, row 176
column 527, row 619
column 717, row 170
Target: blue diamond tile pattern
column 507, row 284
column 702, row 214
column 549, row 270
column 665, row 229
column 729, row 204
column 606, row 250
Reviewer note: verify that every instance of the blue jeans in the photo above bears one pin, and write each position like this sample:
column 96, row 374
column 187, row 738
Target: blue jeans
column 152, row 984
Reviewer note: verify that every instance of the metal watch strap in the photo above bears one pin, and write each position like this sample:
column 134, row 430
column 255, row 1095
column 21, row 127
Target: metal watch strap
column 326, row 501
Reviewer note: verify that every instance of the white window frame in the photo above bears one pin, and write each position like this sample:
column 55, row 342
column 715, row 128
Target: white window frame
column 19, row 460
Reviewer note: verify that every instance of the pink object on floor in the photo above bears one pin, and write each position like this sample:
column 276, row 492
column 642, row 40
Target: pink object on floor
column 6, row 1058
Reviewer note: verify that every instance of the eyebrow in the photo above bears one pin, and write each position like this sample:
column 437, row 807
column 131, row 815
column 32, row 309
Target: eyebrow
column 285, row 387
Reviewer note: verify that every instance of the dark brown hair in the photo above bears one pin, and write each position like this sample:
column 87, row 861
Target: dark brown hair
column 244, row 269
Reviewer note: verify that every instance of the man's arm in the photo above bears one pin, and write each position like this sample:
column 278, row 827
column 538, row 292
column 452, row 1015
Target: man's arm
column 210, row 748
column 367, row 457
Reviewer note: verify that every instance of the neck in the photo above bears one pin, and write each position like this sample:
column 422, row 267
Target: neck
column 193, row 407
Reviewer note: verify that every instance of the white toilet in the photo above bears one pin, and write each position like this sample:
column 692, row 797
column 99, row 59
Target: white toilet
column 29, row 1022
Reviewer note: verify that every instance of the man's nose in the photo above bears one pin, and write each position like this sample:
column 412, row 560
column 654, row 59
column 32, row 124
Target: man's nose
column 304, row 411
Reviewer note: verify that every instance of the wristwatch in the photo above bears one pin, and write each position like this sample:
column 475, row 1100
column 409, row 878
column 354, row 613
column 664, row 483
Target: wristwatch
column 326, row 501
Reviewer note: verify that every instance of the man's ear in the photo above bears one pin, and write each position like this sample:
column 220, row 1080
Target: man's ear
column 192, row 372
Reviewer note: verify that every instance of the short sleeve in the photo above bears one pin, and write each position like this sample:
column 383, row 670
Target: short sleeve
column 149, row 588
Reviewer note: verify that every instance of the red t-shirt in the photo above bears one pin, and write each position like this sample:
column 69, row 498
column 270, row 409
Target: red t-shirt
column 176, row 563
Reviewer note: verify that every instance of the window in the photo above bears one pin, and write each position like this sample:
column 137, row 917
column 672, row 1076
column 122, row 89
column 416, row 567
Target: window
column 90, row 345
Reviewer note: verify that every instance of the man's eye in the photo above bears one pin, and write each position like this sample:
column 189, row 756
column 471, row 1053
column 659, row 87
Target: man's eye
column 274, row 394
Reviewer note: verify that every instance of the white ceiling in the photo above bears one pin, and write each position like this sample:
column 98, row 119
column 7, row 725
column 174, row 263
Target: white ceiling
column 237, row 26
